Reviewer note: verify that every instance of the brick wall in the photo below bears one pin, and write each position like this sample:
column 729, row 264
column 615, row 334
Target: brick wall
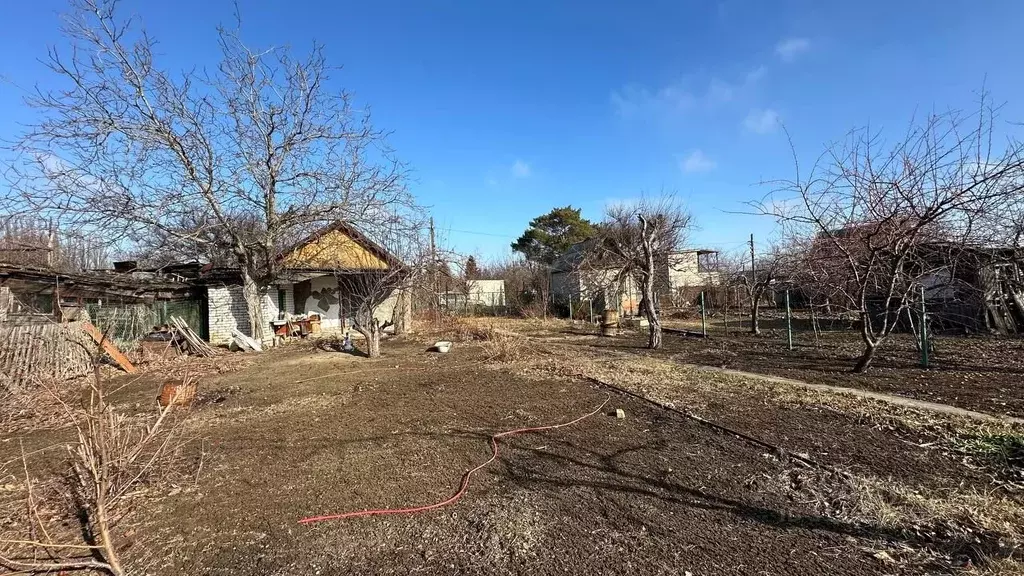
column 270, row 302
column 227, row 310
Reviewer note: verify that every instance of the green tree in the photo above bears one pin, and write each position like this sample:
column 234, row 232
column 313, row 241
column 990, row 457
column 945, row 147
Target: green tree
column 552, row 234
column 472, row 271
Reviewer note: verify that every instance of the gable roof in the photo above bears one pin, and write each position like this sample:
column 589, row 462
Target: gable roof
column 352, row 233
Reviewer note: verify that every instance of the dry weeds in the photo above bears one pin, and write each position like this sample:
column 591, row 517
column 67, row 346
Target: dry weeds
column 980, row 528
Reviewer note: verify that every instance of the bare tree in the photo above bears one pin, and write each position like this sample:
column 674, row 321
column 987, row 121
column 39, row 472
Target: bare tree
column 634, row 243
column 110, row 457
column 768, row 268
column 378, row 296
column 877, row 223
column 262, row 147
column 33, row 242
column 526, row 284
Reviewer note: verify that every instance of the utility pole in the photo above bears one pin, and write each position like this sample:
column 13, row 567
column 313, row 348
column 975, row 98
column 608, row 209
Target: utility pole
column 433, row 267
column 752, row 275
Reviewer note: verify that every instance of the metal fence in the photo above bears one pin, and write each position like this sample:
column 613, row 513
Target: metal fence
column 128, row 324
column 477, row 304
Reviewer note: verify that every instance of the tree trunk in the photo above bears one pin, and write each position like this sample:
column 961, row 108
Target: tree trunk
column 653, row 329
column 371, row 334
column 647, row 289
column 864, row 362
column 254, row 306
column 870, row 343
column 373, row 341
column 402, row 315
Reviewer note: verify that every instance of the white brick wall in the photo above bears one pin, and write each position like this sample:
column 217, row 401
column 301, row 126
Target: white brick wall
column 270, row 298
column 226, row 311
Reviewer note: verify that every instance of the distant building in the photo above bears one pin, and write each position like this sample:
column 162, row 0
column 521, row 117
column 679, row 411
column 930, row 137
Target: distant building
column 475, row 294
column 679, row 274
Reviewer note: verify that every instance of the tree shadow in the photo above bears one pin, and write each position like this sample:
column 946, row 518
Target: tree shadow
column 563, row 465
column 335, row 346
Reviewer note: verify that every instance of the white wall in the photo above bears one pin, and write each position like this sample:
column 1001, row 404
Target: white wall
column 330, row 318
column 226, row 309
column 270, row 309
column 683, row 272
column 486, row 292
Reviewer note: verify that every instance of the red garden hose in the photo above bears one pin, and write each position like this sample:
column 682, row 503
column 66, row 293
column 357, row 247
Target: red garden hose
column 465, row 477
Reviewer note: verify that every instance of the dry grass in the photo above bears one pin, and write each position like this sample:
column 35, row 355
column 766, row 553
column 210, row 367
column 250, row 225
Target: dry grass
column 505, row 347
column 893, row 505
column 986, row 527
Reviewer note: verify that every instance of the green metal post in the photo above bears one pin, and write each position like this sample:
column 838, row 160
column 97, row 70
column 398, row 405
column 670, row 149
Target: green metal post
column 924, row 332
column 789, row 322
column 703, row 317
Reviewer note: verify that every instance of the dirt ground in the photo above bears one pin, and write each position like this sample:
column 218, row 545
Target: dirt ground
column 304, row 432
column 976, row 372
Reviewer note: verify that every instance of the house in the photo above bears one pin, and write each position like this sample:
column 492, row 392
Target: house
column 687, row 272
column 679, row 274
column 965, row 287
column 311, row 282
column 974, row 288
column 31, row 290
column 474, row 295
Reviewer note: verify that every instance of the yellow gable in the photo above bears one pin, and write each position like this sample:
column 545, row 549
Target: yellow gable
column 334, row 249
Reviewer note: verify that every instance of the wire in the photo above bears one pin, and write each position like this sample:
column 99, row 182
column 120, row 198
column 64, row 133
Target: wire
column 465, row 477
column 506, row 236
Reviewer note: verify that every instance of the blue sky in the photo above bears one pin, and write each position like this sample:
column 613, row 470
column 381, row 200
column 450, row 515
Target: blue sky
column 506, row 109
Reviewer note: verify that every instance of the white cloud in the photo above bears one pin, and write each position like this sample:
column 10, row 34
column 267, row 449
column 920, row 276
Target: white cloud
column 697, row 161
column 789, row 48
column 521, row 169
column 755, row 75
column 762, row 121
column 632, row 100
column 680, row 96
column 720, row 91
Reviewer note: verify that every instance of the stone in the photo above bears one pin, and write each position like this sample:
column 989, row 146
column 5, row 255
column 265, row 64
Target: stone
column 620, row 413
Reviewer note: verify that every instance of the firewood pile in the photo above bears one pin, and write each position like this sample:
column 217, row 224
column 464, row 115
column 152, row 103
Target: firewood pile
column 190, row 342
column 173, row 339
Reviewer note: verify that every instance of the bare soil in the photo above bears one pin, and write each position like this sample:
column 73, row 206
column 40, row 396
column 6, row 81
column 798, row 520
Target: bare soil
column 975, row 372
column 304, row 432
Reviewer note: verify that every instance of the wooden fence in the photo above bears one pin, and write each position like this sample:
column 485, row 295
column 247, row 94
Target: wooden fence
column 39, row 349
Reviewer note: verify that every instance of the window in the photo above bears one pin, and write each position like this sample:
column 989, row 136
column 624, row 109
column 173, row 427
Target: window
column 707, row 262
column 280, row 301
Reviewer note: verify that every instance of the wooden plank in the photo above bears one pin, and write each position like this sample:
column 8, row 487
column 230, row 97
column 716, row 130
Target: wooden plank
column 109, row 347
column 249, row 342
column 195, row 343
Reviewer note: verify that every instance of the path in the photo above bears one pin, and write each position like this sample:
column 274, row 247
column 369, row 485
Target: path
column 890, row 398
